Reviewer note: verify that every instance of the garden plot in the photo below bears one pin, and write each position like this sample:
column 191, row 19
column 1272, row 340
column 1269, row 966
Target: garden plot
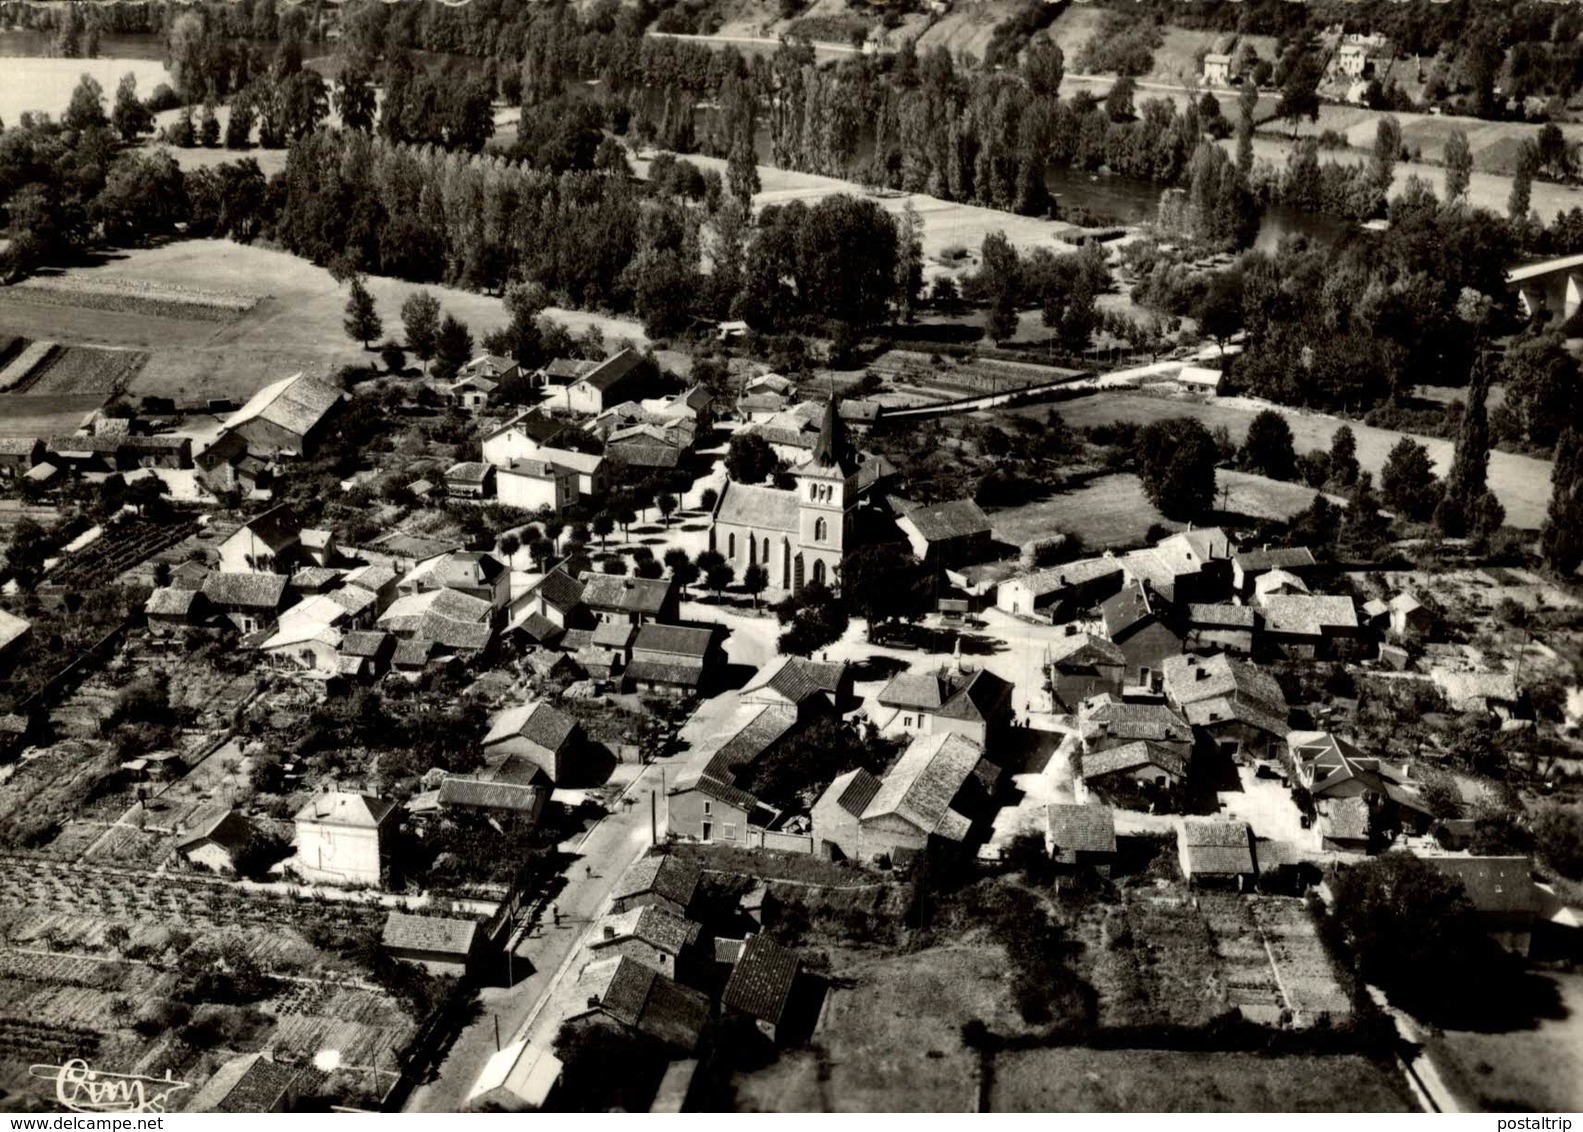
column 1251, row 983
column 32, row 356
column 1152, row 962
column 84, row 370
column 1302, row 963
column 138, row 296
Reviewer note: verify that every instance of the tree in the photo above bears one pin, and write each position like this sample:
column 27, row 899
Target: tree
column 667, row 505
column 881, row 584
column 1176, row 463
column 681, row 567
column 755, row 579
column 420, row 318
column 1558, row 835
column 1561, row 539
column 453, row 347
column 742, row 172
column 362, row 320
column 355, row 99
column 1000, row 280
column 1344, row 455
column 1408, row 483
column 30, row 546
column 394, row 357
column 749, row 458
column 1552, row 157
column 1268, row 448
column 602, row 525
column 148, row 495
column 1387, row 150
column 1118, row 100
column 129, row 116
column 1459, row 167
column 1517, row 204
column 814, row 619
column 1219, row 311
column 1543, row 391
column 1300, row 89
column 239, row 123
column 208, row 127
column 718, row 576
column 86, row 109
column 1468, row 479
column 1247, row 103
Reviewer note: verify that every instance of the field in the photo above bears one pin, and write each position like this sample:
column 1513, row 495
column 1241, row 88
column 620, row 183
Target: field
column 292, row 319
column 46, row 84
column 48, row 369
column 1531, row 1070
column 1521, row 482
column 1145, row 1080
column 890, row 1038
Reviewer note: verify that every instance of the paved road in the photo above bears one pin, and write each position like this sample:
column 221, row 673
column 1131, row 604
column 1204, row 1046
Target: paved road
column 602, row 855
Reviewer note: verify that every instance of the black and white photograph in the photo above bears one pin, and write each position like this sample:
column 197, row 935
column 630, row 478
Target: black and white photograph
column 791, row 556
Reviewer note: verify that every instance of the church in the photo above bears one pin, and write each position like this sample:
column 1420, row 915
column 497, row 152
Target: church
column 801, row 534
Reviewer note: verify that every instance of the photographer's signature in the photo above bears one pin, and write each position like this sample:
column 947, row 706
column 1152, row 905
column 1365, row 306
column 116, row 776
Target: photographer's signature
column 81, row 1089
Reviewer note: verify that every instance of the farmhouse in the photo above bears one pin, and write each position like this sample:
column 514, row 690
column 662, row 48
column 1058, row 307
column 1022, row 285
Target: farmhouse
column 343, row 838
column 945, row 534
column 1220, row 628
column 534, row 485
column 471, row 479
column 675, row 659
column 1502, row 892
column 1307, row 625
column 653, row 936
column 170, row 609
column 975, row 705
column 1217, row 853
column 1140, row 772
column 630, row 600
column 709, row 805
column 476, row 573
column 623, row 992
column 1237, row 705
column 440, row 945
column 492, row 798
column 537, row 736
column 1249, row 565
column 1060, row 591
column 761, row 982
column 660, row 880
column 523, row 437
column 265, row 544
column 18, row 454
column 1106, row 721
column 1135, row 626
column 612, row 381
column 1217, row 69
column 1081, row 666
column 519, row 1077
column 250, row 602
column 807, row 687
column 1193, row 565
column 287, row 418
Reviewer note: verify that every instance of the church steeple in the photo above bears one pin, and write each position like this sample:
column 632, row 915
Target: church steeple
column 833, row 451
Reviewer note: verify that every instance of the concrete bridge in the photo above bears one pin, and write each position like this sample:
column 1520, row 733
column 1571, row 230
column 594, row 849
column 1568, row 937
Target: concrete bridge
column 1554, row 285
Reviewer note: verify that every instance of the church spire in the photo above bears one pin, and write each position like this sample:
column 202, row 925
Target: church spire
column 833, row 448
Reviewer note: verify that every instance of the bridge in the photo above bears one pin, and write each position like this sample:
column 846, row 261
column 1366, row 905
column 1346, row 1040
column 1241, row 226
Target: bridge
column 1553, row 284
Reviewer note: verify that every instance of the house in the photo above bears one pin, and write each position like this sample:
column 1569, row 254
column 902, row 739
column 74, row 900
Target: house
column 1237, row 705
column 1134, row 774
column 589, row 471
column 366, row 653
column 470, row 393
column 412, row 656
column 1217, row 627
column 170, row 610
column 564, row 371
column 648, row 445
column 1307, row 625
column 1409, row 616
column 535, row 485
column 937, row 787
column 1278, row 582
column 1352, row 60
column 631, row 600
column 1135, row 625
column 1199, row 379
column 286, row 418
column 623, row 992
column 492, row 799
column 1192, row 565
column 476, row 573
column 519, row 1077
column 653, row 936
column 1356, row 797
column 459, row 622
column 1215, row 852
column 660, row 880
column 1058, row 592
column 675, row 659
column 441, row 945
column 252, row 1083
column 556, row 599
column 1108, row 721
column 945, row 534
column 709, row 805
column 761, row 982
column 491, row 367
column 311, row 581
column 265, row 544
column 1081, row 666
column 1491, row 692
column 612, row 381
column 522, row 437
column 344, row 838
column 862, row 416
column 1081, row 836
column 541, row 737
column 18, row 454
column 305, row 638
column 806, row 687
column 839, row 811
column 976, row 705
column 215, row 841
column 1248, row 565
column 1502, row 892
column 1217, row 69
column 250, row 602
column 472, row 479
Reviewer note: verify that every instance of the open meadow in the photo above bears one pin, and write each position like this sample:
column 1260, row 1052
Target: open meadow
column 219, row 319
column 1538, row 1069
column 1522, row 483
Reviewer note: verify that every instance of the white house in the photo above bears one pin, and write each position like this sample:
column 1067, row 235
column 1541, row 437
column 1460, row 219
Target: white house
column 342, row 838
column 532, row 484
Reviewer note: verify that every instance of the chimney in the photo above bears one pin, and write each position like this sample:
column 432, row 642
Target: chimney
column 1200, row 674
column 610, row 932
column 593, row 1002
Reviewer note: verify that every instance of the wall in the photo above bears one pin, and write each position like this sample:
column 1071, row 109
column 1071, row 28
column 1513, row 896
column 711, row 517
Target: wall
column 338, row 854
column 686, row 814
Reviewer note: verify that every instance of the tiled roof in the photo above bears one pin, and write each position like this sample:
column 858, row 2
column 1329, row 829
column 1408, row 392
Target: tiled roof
column 406, row 613
column 854, row 790
column 1131, row 756
column 251, row 1083
column 223, row 826
column 645, row 1000
column 659, row 927
column 295, row 404
column 1071, row 574
column 612, row 369
column 1472, row 691
column 980, row 699
column 1220, row 616
column 536, row 722
column 1225, row 709
column 473, row 793
column 245, row 591
column 677, row 640
column 1282, row 557
column 412, row 654
column 679, row 673
column 762, row 979
column 614, row 634
column 1190, row 678
column 1084, row 650
column 721, row 792
column 767, row 727
column 1222, row 848
column 796, row 678
column 313, row 578
column 1307, row 615
column 568, row 369
column 365, row 643
column 469, row 471
column 1081, row 829
column 353, row 599
column 429, row 933
column 662, row 875
column 371, row 578
column 1103, row 717
column 1345, row 818
column 276, row 528
column 938, row 522
column 925, row 780
column 532, row 424
column 539, row 627
column 915, row 690
column 165, row 602
column 645, row 596
column 338, row 807
column 757, row 506
column 1494, row 884
column 560, row 590
column 1125, row 610
column 464, row 636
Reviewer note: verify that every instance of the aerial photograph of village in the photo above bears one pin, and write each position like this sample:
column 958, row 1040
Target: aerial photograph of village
column 760, row 556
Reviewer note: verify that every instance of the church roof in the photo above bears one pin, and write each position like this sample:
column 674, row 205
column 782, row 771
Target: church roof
column 833, row 451
column 757, row 506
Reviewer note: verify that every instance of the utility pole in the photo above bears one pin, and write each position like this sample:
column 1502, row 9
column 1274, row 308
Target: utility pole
column 497, row 1033
column 654, row 820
